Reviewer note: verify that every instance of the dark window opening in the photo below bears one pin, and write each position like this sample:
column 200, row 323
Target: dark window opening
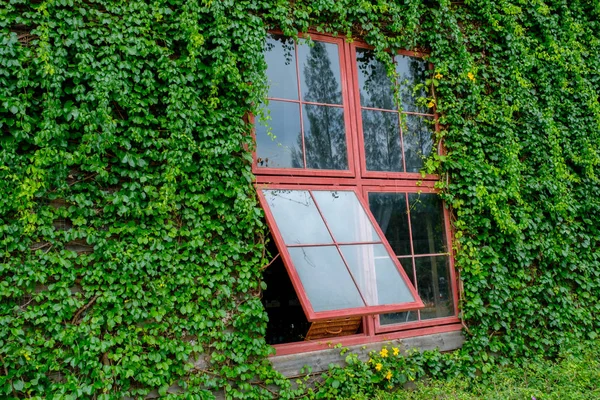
column 287, row 322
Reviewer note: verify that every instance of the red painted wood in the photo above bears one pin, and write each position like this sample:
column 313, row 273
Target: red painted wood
column 361, row 181
column 311, row 314
column 324, row 344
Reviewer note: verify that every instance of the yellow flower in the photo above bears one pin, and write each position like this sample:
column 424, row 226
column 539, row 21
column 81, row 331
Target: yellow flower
column 378, row 366
column 438, row 76
column 471, row 76
column 388, row 376
column 430, row 104
column 396, row 350
column 384, row 352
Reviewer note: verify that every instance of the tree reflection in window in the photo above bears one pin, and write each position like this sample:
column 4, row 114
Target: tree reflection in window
column 390, row 144
column 324, row 131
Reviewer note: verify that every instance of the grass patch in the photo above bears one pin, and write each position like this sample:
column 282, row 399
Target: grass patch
column 575, row 375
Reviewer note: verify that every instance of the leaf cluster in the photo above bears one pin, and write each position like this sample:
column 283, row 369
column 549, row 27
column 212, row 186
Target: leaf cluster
column 131, row 239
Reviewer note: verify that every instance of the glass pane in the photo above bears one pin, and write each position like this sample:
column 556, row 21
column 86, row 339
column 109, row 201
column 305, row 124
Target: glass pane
column 345, row 217
column 297, row 218
column 418, row 141
column 398, row 318
column 325, row 278
column 283, row 149
column 427, row 223
column 381, row 132
column 376, row 89
column 390, row 213
column 411, row 72
column 376, row 274
column 281, row 67
column 434, row 286
column 320, row 73
column 325, row 137
column 407, row 264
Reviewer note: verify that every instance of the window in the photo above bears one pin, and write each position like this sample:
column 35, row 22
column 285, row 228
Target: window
column 363, row 238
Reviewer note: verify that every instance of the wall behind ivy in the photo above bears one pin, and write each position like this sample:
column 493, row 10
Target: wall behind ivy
column 131, row 239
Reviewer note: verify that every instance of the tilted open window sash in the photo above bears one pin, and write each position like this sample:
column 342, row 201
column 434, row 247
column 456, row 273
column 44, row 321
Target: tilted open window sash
column 339, row 262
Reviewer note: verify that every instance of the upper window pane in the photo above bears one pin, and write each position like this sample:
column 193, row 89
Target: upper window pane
column 345, row 217
column 381, row 133
column 281, row 146
column 281, row 67
column 418, row 141
column 320, row 72
column 325, row 137
column 376, row 89
column 297, row 218
column 325, row 278
column 411, row 72
column 308, row 129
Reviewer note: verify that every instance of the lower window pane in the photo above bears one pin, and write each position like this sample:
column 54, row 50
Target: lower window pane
column 398, row 318
column 433, row 279
column 418, row 141
column 283, row 149
column 427, row 222
column 297, row 217
column 381, row 132
column 389, row 209
column 435, row 289
column 325, row 279
column 376, row 274
column 325, row 137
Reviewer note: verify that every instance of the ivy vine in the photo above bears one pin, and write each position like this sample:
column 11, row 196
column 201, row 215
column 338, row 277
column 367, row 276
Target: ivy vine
column 131, row 239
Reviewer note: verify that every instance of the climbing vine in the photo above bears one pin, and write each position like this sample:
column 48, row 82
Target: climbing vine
column 131, row 239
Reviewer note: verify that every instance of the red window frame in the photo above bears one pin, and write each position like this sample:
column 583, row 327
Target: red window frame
column 359, row 123
column 311, row 314
column 348, row 123
column 360, row 180
column 427, row 188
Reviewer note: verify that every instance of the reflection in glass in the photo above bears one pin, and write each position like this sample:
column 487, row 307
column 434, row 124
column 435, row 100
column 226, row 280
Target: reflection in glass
column 407, row 264
column 376, row 274
column 324, row 138
column 390, row 212
column 427, row 223
column 345, row 217
column 418, row 141
column 320, row 73
column 376, row 89
column 398, row 318
column 411, row 72
column 325, row 278
column 434, row 286
column 297, row 218
column 281, row 67
column 281, row 149
column 381, row 131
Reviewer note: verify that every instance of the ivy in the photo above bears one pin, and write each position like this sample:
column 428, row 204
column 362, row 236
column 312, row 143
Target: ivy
column 130, row 235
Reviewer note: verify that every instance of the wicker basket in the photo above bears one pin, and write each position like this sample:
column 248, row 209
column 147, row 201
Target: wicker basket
column 333, row 327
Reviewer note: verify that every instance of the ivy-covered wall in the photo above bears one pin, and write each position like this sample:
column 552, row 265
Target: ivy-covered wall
column 131, row 239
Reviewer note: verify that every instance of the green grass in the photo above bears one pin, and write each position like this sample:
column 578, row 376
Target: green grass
column 575, row 375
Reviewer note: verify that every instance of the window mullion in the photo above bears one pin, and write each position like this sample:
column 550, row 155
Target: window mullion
column 300, row 102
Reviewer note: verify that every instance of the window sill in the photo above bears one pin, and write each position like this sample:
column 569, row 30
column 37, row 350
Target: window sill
column 450, row 338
